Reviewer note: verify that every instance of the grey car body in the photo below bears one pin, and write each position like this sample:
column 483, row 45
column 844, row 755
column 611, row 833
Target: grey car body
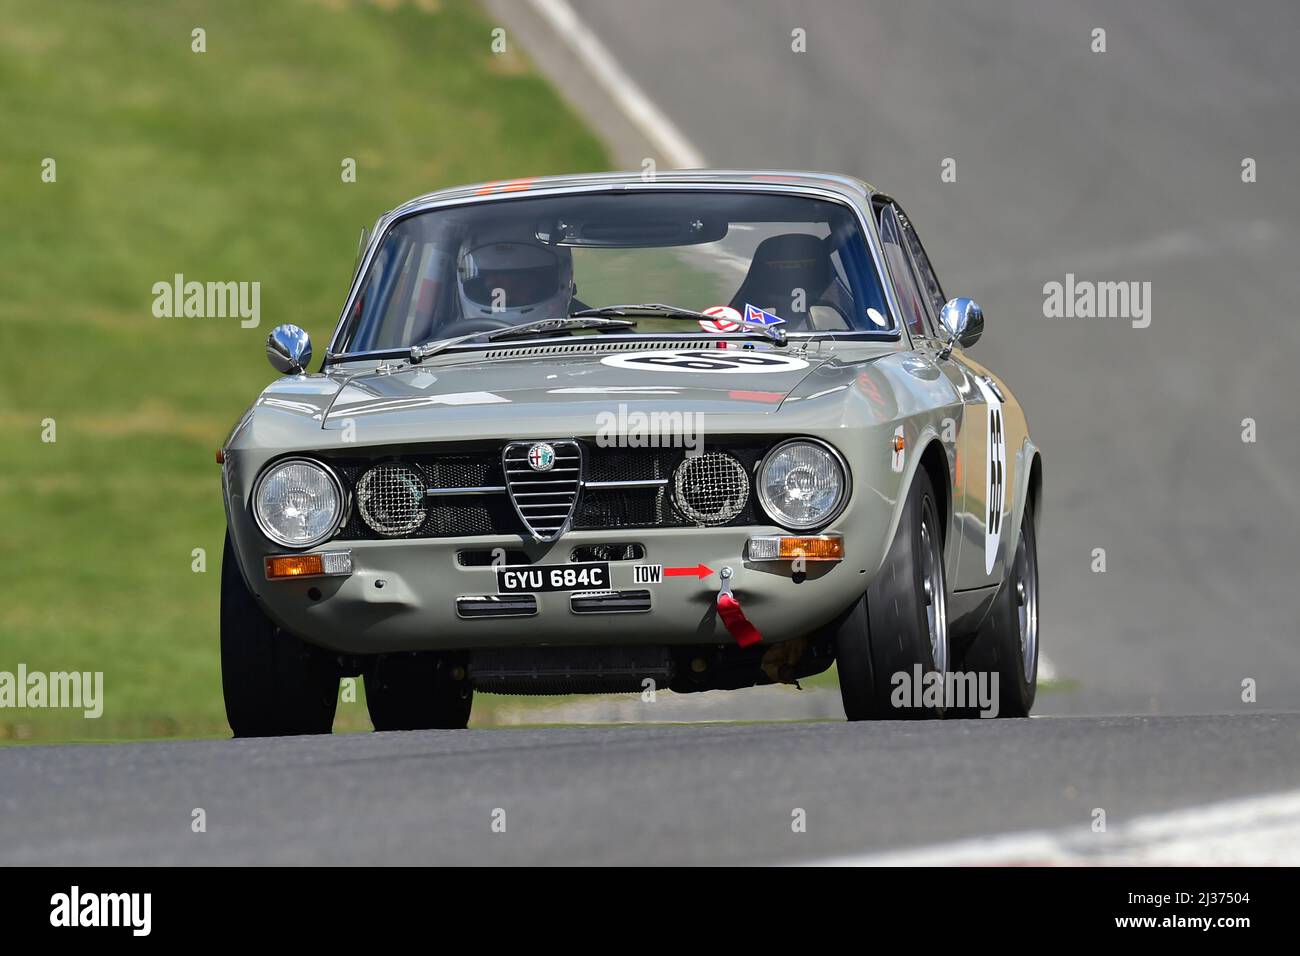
column 891, row 408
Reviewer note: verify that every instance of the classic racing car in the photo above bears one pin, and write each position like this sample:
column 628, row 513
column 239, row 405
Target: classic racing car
column 598, row 434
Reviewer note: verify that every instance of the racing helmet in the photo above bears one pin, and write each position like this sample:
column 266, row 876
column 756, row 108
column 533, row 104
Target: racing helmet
column 514, row 279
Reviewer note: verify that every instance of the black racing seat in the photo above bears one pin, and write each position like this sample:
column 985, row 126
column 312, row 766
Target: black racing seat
column 782, row 266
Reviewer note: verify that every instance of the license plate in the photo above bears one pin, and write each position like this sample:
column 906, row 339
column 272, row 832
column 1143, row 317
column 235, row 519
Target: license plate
column 553, row 577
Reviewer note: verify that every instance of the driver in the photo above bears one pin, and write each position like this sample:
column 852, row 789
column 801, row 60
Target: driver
column 514, row 280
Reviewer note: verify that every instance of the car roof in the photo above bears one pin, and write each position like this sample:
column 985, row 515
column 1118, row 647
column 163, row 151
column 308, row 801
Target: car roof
column 845, row 185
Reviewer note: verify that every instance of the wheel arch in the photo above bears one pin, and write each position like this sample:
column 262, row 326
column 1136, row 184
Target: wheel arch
column 1035, row 490
column 1029, row 494
column 934, row 461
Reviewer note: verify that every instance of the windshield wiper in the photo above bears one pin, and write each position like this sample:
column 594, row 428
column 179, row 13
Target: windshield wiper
column 658, row 310
column 644, row 309
column 540, row 327
column 548, row 326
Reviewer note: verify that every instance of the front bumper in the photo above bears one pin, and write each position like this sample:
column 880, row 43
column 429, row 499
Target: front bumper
column 402, row 594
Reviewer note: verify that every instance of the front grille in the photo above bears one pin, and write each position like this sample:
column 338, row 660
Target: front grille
column 445, row 516
column 455, row 517
column 534, row 509
column 626, row 508
column 631, row 464
column 462, row 471
column 543, row 479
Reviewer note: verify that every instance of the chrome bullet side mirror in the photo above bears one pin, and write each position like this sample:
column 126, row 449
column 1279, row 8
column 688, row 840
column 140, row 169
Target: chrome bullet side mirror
column 964, row 320
column 288, row 349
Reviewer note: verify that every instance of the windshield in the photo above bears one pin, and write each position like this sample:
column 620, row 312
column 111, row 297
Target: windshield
column 792, row 262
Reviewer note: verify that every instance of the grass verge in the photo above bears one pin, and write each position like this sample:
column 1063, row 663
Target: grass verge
column 224, row 165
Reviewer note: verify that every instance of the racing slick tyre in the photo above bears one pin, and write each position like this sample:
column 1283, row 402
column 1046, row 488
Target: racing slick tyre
column 274, row 683
column 901, row 621
column 1006, row 643
column 418, row 691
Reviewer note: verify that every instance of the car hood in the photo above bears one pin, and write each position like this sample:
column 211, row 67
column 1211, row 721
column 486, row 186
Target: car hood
column 528, row 389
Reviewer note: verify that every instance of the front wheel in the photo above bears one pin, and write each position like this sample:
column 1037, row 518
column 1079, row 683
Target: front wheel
column 275, row 684
column 894, row 641
column 418, row 691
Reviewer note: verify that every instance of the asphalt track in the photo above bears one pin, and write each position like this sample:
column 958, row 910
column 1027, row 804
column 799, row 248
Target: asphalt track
column 1115, row 166
column 706, row 794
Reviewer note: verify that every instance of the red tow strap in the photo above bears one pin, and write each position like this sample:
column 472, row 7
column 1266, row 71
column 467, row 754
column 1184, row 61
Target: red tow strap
column 740, row 627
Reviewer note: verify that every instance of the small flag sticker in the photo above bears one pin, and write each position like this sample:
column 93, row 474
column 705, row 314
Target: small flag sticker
column 757, row 316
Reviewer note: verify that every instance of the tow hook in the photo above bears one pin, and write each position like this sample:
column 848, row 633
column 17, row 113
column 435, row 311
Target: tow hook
column 732, row 616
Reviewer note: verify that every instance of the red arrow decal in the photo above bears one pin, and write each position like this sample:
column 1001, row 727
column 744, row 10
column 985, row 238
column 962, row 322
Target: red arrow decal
column 699, row 571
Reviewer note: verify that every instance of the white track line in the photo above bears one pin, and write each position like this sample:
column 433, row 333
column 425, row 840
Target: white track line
column 647, row 117
column 1256, row 831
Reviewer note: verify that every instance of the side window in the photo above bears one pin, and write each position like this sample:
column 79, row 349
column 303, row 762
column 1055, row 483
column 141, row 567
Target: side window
column 849, row 262
column 909, row 296
column 924, row 271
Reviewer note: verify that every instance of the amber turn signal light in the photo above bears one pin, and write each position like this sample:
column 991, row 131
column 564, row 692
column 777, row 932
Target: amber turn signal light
column 816, row 547
column 324, row 564
column 294, row 566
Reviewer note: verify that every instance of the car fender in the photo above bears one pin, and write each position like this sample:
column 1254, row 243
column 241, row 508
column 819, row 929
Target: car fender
column 1027, row 454
column 917, row 438
column 927, row 436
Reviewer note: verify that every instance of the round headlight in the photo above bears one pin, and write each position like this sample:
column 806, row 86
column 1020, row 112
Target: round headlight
column 802, row 484
column 297, row 503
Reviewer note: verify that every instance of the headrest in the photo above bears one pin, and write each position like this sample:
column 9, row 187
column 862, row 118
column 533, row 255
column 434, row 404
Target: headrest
column 790, row 260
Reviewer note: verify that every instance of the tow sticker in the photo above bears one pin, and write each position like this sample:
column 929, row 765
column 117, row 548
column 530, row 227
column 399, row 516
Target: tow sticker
column 995, row 475
column 725, row 319
column 707, row 361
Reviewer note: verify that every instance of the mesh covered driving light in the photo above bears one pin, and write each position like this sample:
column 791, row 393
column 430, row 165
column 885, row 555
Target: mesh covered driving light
column 710, row 489
column 391, row 499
